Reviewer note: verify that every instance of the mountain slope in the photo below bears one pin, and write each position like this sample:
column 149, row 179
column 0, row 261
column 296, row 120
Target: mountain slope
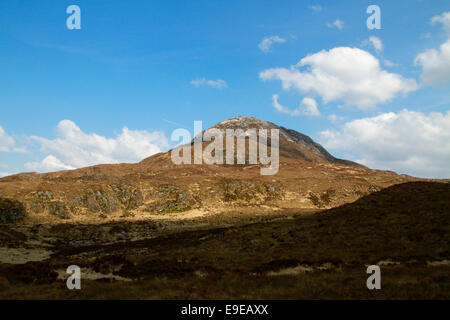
column 308, row 178
column 292, row 144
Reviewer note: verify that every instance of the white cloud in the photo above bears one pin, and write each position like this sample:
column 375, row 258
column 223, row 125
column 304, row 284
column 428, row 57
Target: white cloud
column 335, row 118
column 74, row 149
column 444, row 19
column 212, row 83
column 407, row 142
column 50, row 163
column 376, row 43
column 348, row 74
column 267, row 42
column 282, row 108
column 7, row 143
column 336, row 24
column 4, row 174
column 316, row 7
column 308, row 107
column 436, row 63
column 389, row 63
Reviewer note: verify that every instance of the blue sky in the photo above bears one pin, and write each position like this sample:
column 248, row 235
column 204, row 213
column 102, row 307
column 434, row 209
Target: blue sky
column 133, row 64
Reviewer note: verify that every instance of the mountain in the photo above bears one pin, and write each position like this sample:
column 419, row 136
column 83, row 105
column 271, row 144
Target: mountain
column 225, row 230
column 308, row 178
column 293, row 144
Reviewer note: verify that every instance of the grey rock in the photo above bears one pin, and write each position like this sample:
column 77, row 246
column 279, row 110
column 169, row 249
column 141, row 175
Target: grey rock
column 57, row 208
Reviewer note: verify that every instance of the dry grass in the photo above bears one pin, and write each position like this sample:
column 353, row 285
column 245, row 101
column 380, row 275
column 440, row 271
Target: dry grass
column 406, row 223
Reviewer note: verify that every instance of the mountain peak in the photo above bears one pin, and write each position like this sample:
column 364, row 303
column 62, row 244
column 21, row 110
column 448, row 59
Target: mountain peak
column 293, row 144
column 243, row 122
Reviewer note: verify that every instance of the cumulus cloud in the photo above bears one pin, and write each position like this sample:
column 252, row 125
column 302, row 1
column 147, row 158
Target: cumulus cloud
column 346, row 74
column 444, row 19
column 5, row 174
column 49, row 163
column 74, row 148
column 8, row 144
column 267, row 42
column 376, row 43
column 436, row 63
column 280, row 108
column 219, row 83
column 308, row 106
column 407, row 142
column 339, row 24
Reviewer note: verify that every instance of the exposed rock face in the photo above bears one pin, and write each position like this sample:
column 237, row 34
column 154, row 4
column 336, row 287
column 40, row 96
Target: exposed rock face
column 57, row 208
column 99, row 200
column 11, row 211
column 293, row 144
column 249, row 192
column 128, row 196
column 171, row 199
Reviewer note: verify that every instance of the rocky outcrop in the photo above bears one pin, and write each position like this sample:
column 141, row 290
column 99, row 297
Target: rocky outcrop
column 11, row 211
column 57, row 208
column 171, row 199
column 249, row 192
column 128, row 196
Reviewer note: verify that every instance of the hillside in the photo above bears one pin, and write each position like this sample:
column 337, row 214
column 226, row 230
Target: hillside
column 404, row 229
column 159, row 230
column 293, row 144
column 308, row 178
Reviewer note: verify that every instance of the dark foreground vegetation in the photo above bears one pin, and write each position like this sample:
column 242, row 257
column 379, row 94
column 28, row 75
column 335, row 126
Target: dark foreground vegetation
column 404, row 228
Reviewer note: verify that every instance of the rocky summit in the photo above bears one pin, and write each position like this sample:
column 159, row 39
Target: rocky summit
column 293, row 144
